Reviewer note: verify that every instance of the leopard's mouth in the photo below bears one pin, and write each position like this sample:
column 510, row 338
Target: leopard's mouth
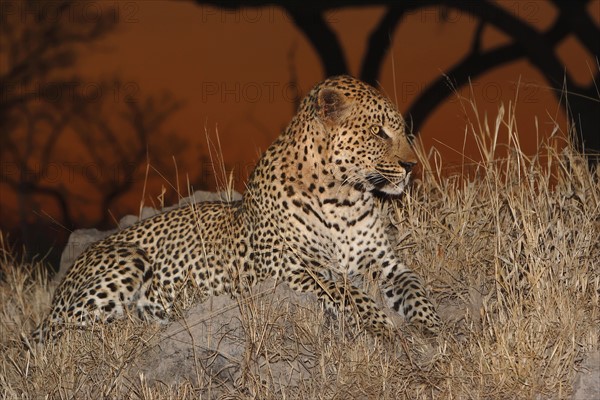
column 388, row 185
column 377, row 180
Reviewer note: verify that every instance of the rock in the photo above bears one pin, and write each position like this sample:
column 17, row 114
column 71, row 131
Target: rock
column 79, row 240
column 587, row 381
column 213, row 345
column 147, row 212
column 201, row 196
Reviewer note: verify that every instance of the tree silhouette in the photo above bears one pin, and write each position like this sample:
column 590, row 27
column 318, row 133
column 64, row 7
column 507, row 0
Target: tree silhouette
column 107, row 130
column 526, row 43
column 119, row 145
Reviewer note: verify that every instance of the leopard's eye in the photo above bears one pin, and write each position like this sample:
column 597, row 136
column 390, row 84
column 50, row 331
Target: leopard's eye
column 378, row 130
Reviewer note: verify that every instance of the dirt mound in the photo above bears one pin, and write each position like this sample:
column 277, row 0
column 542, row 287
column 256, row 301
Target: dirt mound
column 220, row 343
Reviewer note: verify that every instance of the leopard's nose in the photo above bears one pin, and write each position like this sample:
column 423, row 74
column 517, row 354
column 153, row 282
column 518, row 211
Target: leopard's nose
column 408, row 166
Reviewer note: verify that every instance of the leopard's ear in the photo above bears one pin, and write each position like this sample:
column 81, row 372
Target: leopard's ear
column 332, row 105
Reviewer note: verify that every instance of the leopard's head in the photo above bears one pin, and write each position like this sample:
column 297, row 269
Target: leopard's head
column 367, row 141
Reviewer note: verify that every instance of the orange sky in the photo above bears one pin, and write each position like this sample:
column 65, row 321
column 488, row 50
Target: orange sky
column 232, row 69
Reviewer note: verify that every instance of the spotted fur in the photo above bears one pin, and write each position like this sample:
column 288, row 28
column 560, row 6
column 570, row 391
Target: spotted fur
column 309, row 217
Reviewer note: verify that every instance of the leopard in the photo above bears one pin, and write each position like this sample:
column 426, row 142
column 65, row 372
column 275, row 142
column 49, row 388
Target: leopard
column 311, row 216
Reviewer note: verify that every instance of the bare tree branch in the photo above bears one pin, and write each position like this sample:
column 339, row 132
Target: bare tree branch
column 379, row 44
column 581, row 22
column 122, row 146
column 539, row 52
column 476, row 46
column 321, row 36
column 470, row 67
column 37, row 45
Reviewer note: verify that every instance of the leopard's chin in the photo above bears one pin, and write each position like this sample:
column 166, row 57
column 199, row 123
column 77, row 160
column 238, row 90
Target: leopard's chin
column 389, row 191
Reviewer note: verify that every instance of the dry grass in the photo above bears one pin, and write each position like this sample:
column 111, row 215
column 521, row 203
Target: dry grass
column 510, row 251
